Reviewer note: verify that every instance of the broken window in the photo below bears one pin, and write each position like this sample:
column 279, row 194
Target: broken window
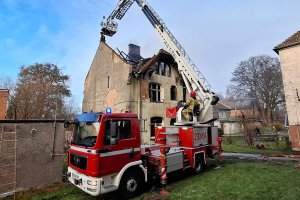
column 162, row 68
column 173, row 93
column 168, row 70
column 154, row 92
column 156, row 68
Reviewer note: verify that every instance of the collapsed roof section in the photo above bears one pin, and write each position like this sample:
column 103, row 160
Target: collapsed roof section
column 141, row 65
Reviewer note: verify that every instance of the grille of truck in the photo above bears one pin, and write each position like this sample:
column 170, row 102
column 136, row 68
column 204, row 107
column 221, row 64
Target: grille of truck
column 78, row 161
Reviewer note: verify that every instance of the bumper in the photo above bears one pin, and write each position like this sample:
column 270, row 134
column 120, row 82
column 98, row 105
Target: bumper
column 81, row 181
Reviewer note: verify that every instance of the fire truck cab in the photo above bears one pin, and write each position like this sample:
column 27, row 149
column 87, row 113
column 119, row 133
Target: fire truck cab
column 104, row 147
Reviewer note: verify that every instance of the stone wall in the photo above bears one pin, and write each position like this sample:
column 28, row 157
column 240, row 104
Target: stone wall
column 31, row 154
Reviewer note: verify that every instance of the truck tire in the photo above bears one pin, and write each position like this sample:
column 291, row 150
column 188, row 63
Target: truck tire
column 130, row 185
column 199, row 165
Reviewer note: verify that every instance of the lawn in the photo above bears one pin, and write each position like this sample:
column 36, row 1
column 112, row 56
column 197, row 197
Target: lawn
column 237, row 145
column 242, row 181
column 235, row 180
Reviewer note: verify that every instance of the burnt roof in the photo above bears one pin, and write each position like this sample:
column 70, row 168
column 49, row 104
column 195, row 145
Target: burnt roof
column 162, row 54
column 291, row 41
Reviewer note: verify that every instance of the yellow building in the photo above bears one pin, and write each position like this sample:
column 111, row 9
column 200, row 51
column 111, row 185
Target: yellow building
column 289, row 53
column 132, row 84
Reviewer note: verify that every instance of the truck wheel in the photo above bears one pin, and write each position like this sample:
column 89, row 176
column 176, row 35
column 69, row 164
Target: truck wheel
column 199, row 165
column 130, row 185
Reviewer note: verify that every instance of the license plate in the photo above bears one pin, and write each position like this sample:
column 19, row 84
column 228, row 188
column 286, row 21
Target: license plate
column 75, row 176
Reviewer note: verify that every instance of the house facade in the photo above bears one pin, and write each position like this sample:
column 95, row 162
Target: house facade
column 289, row 53
column 228, row 124
column 146, row 87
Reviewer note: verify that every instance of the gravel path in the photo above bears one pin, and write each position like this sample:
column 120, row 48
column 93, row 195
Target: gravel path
column 261, row 157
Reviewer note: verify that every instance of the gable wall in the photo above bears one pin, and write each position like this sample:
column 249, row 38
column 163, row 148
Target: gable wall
column 106, row 83
column 290, row 66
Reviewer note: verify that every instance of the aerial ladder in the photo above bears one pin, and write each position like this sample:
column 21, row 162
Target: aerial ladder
column 192, row 77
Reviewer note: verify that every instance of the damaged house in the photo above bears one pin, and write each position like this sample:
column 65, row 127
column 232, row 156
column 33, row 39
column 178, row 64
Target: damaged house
column 129, row 83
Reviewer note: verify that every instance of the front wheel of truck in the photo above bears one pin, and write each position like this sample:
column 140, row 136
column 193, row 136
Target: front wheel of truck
column 130, row 185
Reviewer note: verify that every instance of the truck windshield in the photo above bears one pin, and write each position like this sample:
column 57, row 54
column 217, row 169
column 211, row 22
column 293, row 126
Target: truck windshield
column 85, row 133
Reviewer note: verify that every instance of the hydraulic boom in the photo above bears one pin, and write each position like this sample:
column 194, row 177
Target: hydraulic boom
column 193, row 78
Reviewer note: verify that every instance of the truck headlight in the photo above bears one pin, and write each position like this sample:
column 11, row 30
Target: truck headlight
column 92, row 183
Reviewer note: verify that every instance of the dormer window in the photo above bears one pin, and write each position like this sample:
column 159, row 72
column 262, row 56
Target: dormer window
column 168, row 70
column 156, row 68
column 162, row 68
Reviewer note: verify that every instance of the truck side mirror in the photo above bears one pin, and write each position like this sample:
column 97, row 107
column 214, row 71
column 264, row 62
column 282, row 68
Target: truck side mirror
column 113, row 141
column 114, row 129
column 66, row 124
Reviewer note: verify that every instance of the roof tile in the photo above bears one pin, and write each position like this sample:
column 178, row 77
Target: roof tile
column 291, row 41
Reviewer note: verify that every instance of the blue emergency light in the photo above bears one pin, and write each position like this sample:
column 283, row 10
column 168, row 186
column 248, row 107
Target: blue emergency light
column 108, row 110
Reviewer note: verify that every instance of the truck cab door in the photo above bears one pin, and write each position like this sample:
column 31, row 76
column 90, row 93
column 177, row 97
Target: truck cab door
column 121, row 144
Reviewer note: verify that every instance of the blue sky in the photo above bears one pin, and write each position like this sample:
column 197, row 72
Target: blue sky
column 216, row 34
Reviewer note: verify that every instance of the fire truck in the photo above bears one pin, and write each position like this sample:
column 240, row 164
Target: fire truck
column 106, row 153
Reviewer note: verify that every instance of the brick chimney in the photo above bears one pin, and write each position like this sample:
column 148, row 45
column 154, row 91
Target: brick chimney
column 3, row 102
column 134, row 52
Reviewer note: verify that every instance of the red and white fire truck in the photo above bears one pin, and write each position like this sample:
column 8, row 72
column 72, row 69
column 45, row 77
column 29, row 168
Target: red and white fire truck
column 106, row 153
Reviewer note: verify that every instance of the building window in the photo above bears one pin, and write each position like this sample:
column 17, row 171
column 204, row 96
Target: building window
column 156, row 68
column 108, row 82
column 154, row 121
column 184, row 93
column 172, row 121
column 222, row 115
column 168, row 70
column 162, row 68
column 154, row 92
column 173, row 93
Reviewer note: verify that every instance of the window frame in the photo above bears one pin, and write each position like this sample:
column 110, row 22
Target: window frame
column 173, row 93
column 168, row 70
column 162, row 67
column 155, row 90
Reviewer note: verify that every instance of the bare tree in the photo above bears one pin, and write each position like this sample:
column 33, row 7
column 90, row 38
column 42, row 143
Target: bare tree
column 70, row 109
column 259, row 79
column 39, row 92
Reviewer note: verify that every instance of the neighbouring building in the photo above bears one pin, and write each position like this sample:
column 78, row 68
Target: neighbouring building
column 3, row 102
column 228, row 124
column 289, row 53
column 132, row 84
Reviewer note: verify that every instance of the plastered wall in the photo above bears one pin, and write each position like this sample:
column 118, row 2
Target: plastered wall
column 31, row 154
